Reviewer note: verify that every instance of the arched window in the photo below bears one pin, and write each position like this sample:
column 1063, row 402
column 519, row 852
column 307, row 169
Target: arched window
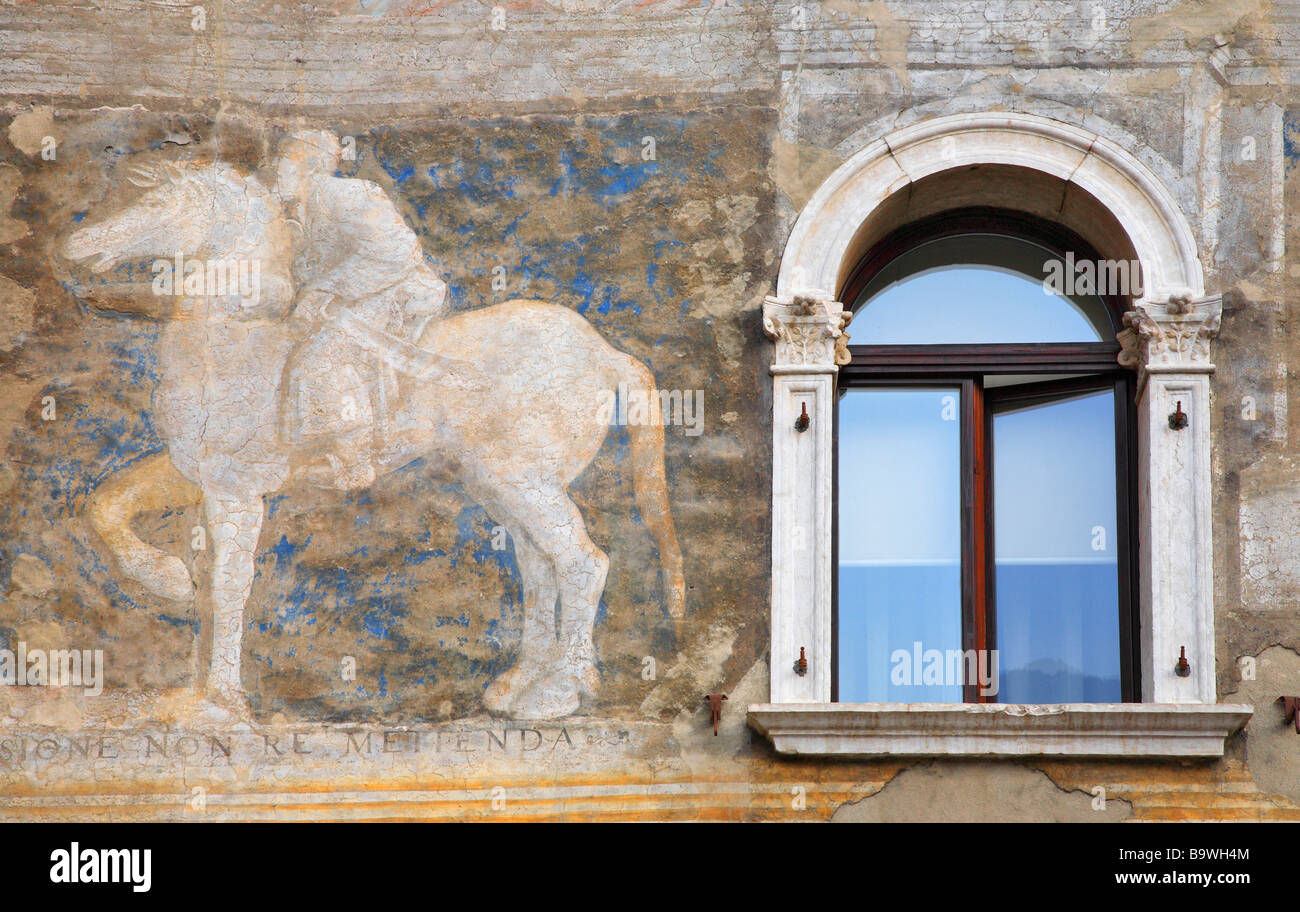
column 991, row 452
column 984, row 470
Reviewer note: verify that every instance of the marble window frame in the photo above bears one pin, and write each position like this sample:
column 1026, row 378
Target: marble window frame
column 1166, row 341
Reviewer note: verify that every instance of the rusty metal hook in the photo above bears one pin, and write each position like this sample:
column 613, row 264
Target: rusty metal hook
column 1178, row 418
column 1291, row 711
column 715, row 709
column 801, row 663
column 801, row 423
column 1183, row 668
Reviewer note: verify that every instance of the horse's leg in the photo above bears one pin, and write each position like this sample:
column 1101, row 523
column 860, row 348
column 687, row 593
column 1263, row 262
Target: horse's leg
column 148, row 484
column 234, row 523
column 549, row 677
column 582, row 569
column 538, row 642
column 503, row 503
column 555, row 525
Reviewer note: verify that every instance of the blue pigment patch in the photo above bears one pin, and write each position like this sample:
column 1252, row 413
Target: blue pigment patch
column 622, row 180
column 285, row 550
column 1291, row 138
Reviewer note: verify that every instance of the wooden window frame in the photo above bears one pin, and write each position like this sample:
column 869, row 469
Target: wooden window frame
column 1092, row 366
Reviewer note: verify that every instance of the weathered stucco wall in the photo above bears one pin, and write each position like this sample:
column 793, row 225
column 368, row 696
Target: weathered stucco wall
column 639, row 165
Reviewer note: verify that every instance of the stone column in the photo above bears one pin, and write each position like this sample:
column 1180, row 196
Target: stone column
column 1169, row 345
column 810, row 346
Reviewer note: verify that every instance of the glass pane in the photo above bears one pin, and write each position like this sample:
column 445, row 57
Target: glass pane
column 976, row 289
column 899, row 600
column 1057, row 580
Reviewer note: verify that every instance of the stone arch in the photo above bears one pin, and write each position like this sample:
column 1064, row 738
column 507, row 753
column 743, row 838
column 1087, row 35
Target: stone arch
column 1095, row 186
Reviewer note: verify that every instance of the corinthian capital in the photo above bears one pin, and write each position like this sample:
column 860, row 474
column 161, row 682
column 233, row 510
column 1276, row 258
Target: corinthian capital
column 808, row 331
column 1170, row 338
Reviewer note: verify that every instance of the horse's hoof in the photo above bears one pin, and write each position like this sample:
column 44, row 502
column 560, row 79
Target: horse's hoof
column 677, row 600
column 225, row 709
column 588, row 681
column 579, row 663
column 498, row 696
column 230, row 695
column 553, row 697
column 165, row 576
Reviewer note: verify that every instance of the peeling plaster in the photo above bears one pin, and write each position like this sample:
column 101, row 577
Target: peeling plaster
column 1272, row 745
column 978, row 791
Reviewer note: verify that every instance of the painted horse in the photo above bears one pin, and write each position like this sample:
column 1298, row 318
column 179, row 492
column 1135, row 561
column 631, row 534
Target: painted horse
column 504, row 399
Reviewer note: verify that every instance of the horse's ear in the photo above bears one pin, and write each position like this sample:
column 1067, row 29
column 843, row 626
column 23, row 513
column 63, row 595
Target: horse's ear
column 142, row 176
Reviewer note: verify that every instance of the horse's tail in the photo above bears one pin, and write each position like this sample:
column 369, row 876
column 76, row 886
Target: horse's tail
column 651, row 487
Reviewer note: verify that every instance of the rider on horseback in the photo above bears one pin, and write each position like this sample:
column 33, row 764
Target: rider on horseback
column 354, row 251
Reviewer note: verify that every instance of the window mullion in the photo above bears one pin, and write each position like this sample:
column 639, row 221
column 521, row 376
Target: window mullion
column 1125, row 526
column 989, row 639
column 975, row 525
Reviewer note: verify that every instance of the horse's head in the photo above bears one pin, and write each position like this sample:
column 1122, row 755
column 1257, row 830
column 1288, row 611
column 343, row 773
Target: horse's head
column 200, row 211
column 175, row 214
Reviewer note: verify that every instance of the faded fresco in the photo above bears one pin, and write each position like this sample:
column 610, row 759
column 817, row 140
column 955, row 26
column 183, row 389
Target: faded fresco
column 503, row 396
column 346, row 477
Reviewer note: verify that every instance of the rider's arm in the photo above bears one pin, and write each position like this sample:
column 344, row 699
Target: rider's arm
column 379, row 248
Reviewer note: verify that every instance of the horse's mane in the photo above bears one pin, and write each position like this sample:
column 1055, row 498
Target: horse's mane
column 211, row 170
column 225, row 190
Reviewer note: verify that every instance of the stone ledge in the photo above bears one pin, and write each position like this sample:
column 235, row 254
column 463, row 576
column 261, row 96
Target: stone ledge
column 999, row 729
